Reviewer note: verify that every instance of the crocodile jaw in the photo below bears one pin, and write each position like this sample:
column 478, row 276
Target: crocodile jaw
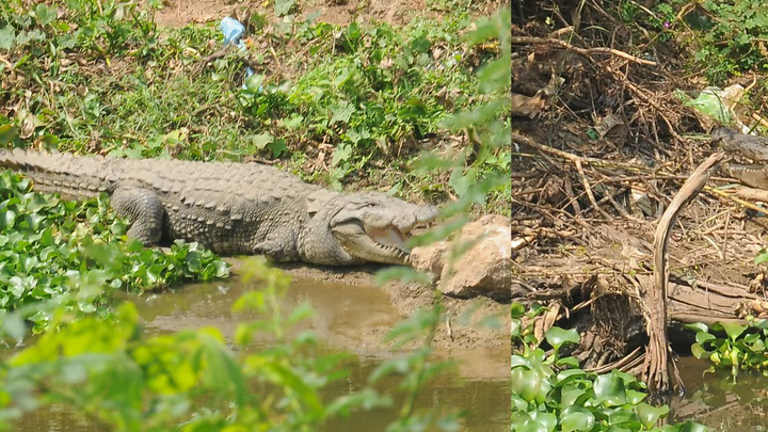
column 383, row 245
column 374, row 227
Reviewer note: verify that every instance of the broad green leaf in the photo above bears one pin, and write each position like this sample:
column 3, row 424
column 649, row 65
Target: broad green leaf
column 45, row 14
column 699, row 327
column 7, row 38
column 699, row 352
column 733, row 329
column 558, row 337
column 277, row 147
column 8, row 132
column 576, row 418
column 517, row 310
column 702, row 338
column 609, row 390
column 546, row 419
column 261, row 140
column 649, row 414
column 342, row 112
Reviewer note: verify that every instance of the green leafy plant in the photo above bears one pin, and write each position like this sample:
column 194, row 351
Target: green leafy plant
column 49, row 246
column 551, row 393
column 742, row 348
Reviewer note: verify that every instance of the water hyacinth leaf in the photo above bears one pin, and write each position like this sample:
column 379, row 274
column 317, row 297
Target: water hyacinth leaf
column 575, row 418
column 222, row 269
column 757, row 346
column 609, row 390
column 518, row 404
column 571, row 362
column 516, row 328
column 517, row 310
column 548, row 420
column 649, row 414
column 34, row 220
column 634, row 397
column 569, row 375
column 558, row 337
column 16, row 286
column 733, row 329
column 530, row 384
column 532, row 425
column 703, row 338
column 690, row 426
column 572, row 395
column 7, row 219
column 621, row 419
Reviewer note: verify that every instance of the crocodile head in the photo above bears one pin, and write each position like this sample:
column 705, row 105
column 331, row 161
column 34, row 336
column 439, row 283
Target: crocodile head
column 348, row 229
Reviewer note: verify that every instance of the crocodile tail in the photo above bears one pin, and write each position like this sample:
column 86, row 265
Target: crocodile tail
column 73, row 177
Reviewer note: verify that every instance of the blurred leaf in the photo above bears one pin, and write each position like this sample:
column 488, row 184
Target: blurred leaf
column 7, row 38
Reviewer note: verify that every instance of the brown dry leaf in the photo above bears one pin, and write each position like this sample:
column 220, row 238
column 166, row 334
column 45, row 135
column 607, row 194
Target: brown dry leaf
column 526, row 106
column 613, row 129
column 29, row 122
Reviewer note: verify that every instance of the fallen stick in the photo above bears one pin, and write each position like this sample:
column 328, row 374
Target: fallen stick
column 587, row 52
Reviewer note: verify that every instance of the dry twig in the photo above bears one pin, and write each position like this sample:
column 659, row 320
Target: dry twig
column 587, row 52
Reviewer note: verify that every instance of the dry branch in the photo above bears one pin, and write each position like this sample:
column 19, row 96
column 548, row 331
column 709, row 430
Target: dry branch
column 656, row 371
column 587, row 52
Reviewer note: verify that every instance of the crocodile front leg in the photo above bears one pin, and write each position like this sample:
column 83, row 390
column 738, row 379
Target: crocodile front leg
column 145, row 211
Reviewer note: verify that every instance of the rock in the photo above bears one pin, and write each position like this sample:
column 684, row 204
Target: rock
column 485, row 269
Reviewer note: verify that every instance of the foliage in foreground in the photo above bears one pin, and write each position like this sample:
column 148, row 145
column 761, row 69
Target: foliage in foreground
column 551, row 393
column 742, row 348
column 122, row 378
column 48, row 249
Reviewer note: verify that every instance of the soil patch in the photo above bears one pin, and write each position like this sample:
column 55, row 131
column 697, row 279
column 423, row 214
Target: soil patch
column 178, row 13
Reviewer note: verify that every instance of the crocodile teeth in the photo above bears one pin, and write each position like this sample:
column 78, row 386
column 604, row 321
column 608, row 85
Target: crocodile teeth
column 389, row 237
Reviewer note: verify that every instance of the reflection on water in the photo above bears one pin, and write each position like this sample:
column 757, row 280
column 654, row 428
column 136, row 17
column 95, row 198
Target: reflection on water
column 716, row 401
column 344, row 318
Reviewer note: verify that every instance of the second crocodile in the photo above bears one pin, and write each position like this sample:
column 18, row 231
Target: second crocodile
column 233, row 208
column 749, row 146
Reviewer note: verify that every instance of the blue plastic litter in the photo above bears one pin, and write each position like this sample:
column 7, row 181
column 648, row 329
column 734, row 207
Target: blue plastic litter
column 233, row 31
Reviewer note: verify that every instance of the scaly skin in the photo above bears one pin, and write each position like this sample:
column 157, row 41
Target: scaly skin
column 233, row 208
column 752, row 147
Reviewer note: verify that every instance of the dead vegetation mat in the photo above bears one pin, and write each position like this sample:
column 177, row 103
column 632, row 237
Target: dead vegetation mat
column 601, row 145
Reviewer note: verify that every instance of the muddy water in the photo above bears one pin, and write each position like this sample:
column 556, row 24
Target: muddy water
column 716, row 401
column 344, row 318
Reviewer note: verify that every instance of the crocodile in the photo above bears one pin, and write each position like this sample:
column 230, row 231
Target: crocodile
column 749, row 146
column 232, row 208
